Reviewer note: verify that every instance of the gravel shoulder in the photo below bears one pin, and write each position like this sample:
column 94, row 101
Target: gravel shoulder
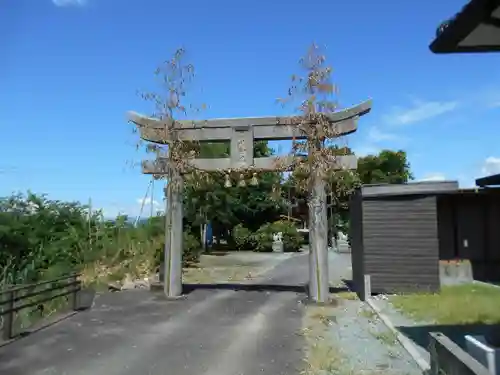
column 347, row 338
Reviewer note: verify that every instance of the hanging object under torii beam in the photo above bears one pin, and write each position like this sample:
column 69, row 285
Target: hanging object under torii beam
column 476, row 28
column 241, row 134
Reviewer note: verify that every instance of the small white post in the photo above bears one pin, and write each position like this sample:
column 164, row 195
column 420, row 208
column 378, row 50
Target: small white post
column 367, row 288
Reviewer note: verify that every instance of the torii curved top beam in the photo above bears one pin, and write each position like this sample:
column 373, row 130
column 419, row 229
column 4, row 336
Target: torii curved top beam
column 269, row 128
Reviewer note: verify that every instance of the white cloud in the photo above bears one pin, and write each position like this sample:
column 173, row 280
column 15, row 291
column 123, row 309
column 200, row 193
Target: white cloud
column 491, row 166
column 365, row 150
column 112, row 211
column 147, row 202
column 65, row 3
column 489, row 98
column 377, row 135
column 418, row 112
column 133, row 210
column 436, row 176
column 466, row 181
column 371, row 144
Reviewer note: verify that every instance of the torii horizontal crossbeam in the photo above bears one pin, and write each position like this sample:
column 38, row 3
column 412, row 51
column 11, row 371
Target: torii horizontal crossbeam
column 268, row 128
column 159, row 166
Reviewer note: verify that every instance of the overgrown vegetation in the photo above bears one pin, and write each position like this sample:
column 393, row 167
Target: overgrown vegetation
column 454, row 305
column 41, row 239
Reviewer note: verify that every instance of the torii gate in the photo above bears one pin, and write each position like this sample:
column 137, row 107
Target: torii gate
column 242, row 132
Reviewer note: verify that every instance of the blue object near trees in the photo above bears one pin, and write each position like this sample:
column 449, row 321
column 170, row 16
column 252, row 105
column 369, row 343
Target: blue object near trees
column 209, row 235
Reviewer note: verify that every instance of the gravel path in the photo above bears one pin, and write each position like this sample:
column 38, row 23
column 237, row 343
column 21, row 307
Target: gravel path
column 400, row 320
column 366, row 343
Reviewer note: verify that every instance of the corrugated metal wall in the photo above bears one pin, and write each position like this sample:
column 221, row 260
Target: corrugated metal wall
column 356, row 236
column 398, row 235
column 401, row 250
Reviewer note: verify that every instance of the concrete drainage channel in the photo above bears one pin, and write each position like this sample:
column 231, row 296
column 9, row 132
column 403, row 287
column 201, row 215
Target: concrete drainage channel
column 445, row 356
column 405, row 342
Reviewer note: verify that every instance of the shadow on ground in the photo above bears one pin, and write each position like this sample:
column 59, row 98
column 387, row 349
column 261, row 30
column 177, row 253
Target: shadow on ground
column 188, row 288
column 420, row 334
column 350, row 285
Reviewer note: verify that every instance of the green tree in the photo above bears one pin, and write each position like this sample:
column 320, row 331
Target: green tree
column 41, row 237
column 388, row 167
column 226, row 207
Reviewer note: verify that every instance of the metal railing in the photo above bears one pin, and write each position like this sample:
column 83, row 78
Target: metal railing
column 17, row 298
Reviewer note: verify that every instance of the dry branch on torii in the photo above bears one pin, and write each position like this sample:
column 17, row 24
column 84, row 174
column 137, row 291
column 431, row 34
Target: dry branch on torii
column 242, row 132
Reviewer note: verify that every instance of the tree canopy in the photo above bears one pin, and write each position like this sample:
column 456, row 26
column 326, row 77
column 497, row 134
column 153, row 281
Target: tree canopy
column 225, row 207
column 388, row 167
column 253, row 206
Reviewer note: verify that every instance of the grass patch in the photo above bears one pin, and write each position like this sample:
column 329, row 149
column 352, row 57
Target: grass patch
column 321, row 356
column 26, row 318
column 386, row 337
column 351, row 296
column 220, row 269
column 457, row 304
column 367, row 313
column 208, row 275
column 324, row 316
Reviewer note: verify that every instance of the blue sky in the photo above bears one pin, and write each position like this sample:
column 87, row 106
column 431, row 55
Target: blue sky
column 70, row 70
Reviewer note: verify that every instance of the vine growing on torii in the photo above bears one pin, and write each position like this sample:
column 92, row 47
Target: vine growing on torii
column 316, row 94
column 315, row 91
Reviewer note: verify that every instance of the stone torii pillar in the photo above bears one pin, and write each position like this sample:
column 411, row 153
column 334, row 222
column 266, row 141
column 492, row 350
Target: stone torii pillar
column 172, row 283
column 242, row 132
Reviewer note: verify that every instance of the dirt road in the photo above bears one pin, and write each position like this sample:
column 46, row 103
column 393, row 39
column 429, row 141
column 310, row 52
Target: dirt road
column 223, row 332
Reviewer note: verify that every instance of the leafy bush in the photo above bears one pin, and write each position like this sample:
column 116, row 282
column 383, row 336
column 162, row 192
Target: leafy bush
column 41, row 239
column 264, row 238
column 191, row 251
column 292, row 240
column 243, row 238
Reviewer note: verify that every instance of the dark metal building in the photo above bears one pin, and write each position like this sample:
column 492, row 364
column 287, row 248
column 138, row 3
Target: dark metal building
column 394, row 236
column 469, row 228
column 400, row 233
column 475, row 28
column 488, row 181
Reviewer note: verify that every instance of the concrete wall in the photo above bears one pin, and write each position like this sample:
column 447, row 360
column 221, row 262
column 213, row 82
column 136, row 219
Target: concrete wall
column 447, row 358
column 468, row 229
